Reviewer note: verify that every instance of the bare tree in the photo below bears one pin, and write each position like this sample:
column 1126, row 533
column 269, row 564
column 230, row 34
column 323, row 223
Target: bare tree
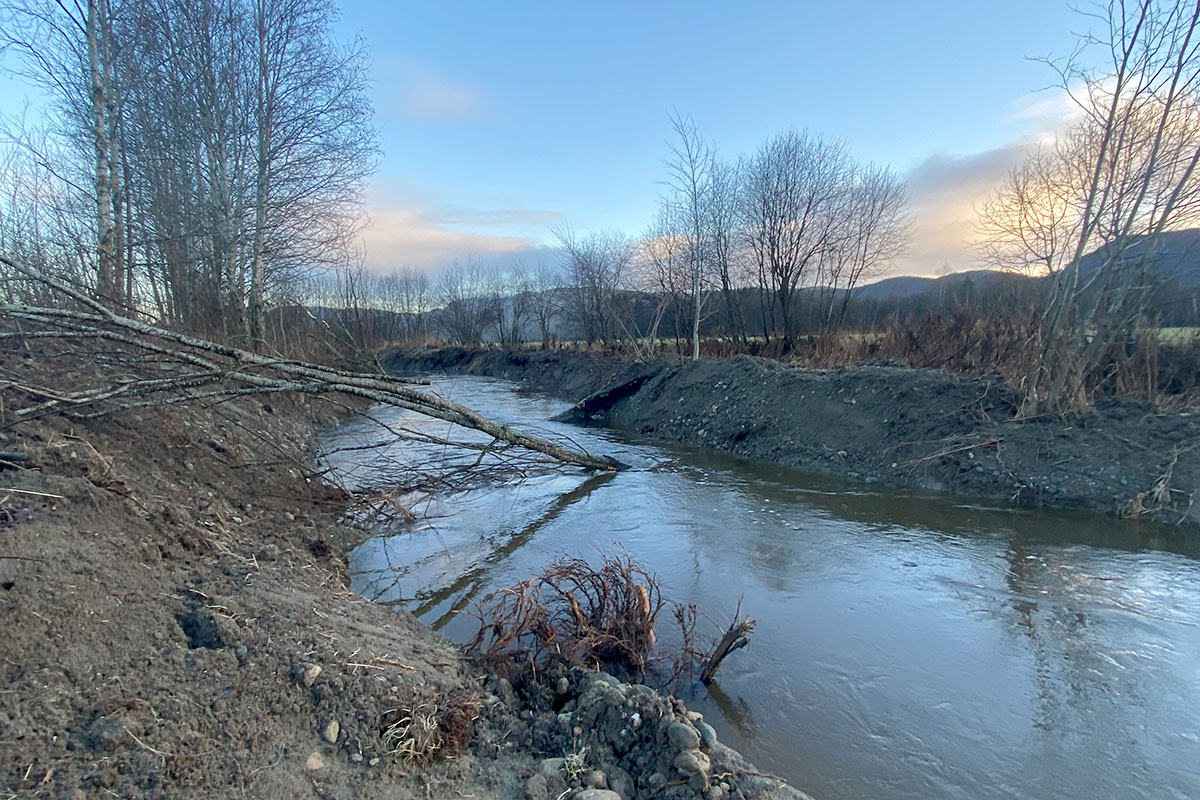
column 464, row 291
column 873, row 228
column 690, row 167
column 1113, row 183
column 597, row 265
column 795, row 185
column 545, row 302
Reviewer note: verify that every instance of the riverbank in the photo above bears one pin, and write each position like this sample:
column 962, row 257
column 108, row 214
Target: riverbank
column 923, row 429
column 176, row 623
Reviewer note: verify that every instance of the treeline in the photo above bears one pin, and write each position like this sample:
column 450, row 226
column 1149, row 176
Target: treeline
column 198, row 160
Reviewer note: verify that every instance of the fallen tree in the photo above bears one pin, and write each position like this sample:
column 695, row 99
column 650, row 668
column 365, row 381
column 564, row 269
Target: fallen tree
column 144, row 365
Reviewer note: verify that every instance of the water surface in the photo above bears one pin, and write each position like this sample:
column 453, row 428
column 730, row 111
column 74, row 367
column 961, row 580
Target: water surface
column 907, row 646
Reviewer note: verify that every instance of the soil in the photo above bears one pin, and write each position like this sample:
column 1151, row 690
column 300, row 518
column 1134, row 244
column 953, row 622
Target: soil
column 174, row 622
column 924, row 429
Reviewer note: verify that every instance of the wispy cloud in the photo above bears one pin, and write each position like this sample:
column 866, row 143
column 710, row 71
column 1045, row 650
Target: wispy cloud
column 429, row 97
column 421, row 229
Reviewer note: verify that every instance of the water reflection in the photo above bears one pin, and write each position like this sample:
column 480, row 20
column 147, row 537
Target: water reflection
column 907, row 646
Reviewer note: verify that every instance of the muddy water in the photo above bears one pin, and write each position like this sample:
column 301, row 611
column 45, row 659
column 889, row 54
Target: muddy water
column 907, row 646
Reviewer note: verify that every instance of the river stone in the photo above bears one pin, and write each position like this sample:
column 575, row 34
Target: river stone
column 330, row 732
column 620, row 782
column 535, row 788
column 309, row 675
column 552, row 767
column 708, row 736
column 597, row 794
column 595, row 780
column 692, row 761
column 683, row 737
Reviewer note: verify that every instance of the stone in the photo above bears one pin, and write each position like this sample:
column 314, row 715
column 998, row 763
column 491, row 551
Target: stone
column 692, row 761
column 330, row 732
column 595, row 779
column 309, row 675
column 535, row 788
column 683, row 737
column 356, row 758
column 564, row 685
column 597, row 794
column 551, row 767
column 708, row 736
column 620, row 782
column 314, row 762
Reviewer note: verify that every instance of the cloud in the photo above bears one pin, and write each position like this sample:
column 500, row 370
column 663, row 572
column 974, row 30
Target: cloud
column 944, row 191
column 429, row 97
column 420, row 229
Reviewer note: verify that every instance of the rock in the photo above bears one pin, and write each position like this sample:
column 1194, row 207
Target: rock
column 535, row 788
column 330, row 732
column 708, row 736
column 692, row 761
column 595, row 780
column 314, row 762
column 620, row 782
column 682, row 737
column 356, row 758
column 563, row 685
column 597, row 794
column 552, row 767
column 656, row 780
column 698, row 781
column 309, row 675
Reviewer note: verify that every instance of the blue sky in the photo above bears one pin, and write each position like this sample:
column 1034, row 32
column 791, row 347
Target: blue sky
column 501, row 120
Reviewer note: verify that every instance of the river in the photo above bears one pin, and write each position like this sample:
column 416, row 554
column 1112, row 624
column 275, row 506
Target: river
column 908, row 646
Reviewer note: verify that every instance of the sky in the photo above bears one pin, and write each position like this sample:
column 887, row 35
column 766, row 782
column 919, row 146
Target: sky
column 502, row 121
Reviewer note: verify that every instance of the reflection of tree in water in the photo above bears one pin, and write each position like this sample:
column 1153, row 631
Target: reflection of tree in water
column 1084, row 707
column 736, row 711
column 384, row 588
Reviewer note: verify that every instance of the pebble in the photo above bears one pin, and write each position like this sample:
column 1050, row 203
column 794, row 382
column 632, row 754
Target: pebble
column 314, row 762
column 682, row 737
column 691, row 761
column 310, row 674
column 708, row 736
column 595, row 780
column 356, row 757
column 536, row 789
column 597, row 794
column 620, row 782
column 330, row 732
column 552, row 767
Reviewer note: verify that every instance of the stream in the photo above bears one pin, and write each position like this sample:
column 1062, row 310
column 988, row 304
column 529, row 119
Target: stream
column 908, row 646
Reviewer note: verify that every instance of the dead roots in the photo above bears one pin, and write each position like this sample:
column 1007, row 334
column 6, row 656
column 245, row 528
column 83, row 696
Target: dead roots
column 575, row 613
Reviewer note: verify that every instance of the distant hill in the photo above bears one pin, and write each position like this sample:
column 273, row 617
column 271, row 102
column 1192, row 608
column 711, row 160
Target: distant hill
column 1176, row 257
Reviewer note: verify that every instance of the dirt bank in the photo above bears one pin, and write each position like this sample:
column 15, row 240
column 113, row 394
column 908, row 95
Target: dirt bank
column 924, row 429
column 174, row 623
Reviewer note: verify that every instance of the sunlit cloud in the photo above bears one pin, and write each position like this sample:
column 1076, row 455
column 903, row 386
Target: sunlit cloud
column 421, row 229
column 946, row 189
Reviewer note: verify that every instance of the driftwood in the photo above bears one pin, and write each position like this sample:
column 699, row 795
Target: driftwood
column 736, row 637
column 200, row 369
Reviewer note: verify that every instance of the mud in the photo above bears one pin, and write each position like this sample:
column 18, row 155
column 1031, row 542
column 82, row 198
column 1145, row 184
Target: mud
column 923, row 429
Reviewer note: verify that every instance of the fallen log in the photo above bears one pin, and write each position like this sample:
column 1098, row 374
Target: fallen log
column 211, row 369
